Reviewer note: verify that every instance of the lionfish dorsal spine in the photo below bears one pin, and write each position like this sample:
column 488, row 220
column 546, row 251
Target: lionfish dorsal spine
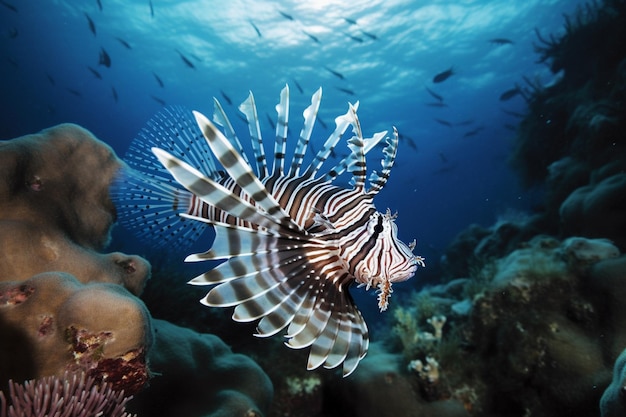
column 377, row 181
column 341, row 124
column 282, row 126
column 248, row 108
column 357, row 166
column 242, row 173
column 310, row 115
column 220, row 118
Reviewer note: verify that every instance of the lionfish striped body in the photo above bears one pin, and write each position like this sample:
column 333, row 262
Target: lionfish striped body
column 293, row 242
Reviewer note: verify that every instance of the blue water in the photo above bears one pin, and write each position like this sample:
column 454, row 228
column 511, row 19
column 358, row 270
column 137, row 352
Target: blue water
column 387, row 52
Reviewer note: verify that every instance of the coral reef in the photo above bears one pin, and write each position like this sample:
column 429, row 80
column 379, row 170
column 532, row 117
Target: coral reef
column 198, row 375
column 51, row 324
column 612, row 403
column 538, row 338
column 68, row 396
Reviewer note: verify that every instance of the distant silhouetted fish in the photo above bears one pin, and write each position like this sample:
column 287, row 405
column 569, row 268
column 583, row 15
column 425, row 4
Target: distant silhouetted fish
column 123, row 42
column 354, row 38
column 158, row 100
column 105, row 59
column 151, row 8
column 346, row 90
column 369, row 35
column 435, row 95
column 443, row 157
column 271, row 121
column 501, row 41
column 50, row 79
column 509, row 94
column 228, row 100
column 409, row 140
column 114, row 93
column 443, row 122
column 351, row 21
column 298, row 86
column 285, row 15
column 74, row 92
column 314, row 38
column 8, row 5
column 95, row 73
column 473, row 132
column 258, row 32
column 186, row 60
column 442, row 76
column 335, row 73
column 158, row 80
column 92, row 25
column 99, row 4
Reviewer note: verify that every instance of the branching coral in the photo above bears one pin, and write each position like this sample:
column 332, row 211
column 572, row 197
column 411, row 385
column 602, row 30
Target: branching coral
column 71, row 396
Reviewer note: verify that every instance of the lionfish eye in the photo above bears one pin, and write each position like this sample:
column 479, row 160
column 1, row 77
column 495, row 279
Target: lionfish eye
column 378, row 228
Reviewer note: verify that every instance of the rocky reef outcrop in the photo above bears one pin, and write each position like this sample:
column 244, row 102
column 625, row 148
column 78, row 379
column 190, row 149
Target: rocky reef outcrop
column 67, row 308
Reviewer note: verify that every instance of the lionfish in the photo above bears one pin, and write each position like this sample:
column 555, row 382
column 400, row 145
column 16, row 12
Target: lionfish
column 291, row 243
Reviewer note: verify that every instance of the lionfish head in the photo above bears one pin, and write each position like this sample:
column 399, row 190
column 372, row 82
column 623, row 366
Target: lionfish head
column 390, row 260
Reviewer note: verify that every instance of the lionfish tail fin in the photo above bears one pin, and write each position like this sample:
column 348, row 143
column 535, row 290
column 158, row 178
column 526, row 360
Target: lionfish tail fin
column 146, row 197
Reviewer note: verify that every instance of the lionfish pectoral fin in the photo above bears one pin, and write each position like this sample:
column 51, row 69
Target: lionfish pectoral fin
column 242, row 174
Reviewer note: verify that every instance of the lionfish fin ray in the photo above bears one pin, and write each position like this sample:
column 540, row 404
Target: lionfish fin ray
column 310, row 114
column 220, row 118
column 282, row 126
column 377, row 181
column 248, row 108
column 242, row 174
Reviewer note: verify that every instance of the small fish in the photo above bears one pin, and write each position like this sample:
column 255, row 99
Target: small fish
column 436, row 104
column 351, row 21
column 114, row 92
column 105, row 59
column 158, row 79
column 99, row 4
column 298, row 86
column 123, row 42
column 186, row 60
column 92, row 25
column 369, row 35
column 158, row 100
column 8, row 5
column 228, row 100
column 74, row 92
column 473, row 132
column 258, row 32
column 444, row 75
column 409, row 140
column 335, row 73
column 509, row 94
column 501, row 41
column 271, row 121
column 314, row 38
column 346, row 90
column 443, row 157
column 50, row 79
column 354, row 38
column 151, row 8
column 443, row 122
column 294, row 243
column 285, row 15
column 95, row 73
column 435, row 95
